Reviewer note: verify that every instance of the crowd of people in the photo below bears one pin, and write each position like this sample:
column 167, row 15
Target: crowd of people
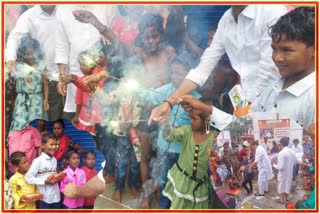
column 115, row 71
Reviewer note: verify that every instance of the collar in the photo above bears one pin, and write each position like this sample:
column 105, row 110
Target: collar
column 47, row 157
column 73, row 172
column 19, row 175
column 299, row 87
column 249, row 12
column 40, row 11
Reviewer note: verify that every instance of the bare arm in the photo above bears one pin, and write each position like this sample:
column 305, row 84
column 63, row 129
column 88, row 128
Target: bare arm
column 62, row 88
column 45, row 93
column 163, row 110
column 91, row 189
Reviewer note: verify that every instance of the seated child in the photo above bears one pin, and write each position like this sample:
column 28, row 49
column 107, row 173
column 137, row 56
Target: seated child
column 8, row 203
column 18, row 184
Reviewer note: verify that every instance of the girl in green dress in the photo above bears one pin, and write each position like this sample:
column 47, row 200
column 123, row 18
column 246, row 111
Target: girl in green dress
column 188, row 181
column 31, row 85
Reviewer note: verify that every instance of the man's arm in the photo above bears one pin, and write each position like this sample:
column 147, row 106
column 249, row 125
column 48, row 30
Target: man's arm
column 266, row 70
column 91, row 189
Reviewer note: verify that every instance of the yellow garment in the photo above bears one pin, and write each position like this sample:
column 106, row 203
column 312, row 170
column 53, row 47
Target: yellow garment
column 20, row 187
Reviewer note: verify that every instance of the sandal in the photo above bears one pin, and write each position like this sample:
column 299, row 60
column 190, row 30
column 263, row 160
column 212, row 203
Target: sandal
column 257, row 194
column 279, row 200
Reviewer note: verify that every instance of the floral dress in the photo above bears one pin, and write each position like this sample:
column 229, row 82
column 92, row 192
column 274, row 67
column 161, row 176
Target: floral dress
column 188, row 181
column 29, row 100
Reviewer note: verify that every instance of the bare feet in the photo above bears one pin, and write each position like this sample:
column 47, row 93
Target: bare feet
column 134, row 192
column 108, row 178
column 145, row 204
column 116, row 196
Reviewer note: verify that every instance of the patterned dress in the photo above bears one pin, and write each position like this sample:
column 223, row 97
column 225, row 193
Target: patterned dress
column 188, row 182
column 29, row 101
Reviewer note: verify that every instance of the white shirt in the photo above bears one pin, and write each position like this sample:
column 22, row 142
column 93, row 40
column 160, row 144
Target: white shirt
column 296, row 102
column 297, row 149
column 41, row 26
column 73, row 37
column 41, row 168
column 248, row 46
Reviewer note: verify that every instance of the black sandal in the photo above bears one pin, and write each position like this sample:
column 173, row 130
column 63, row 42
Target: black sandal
column 257, row 194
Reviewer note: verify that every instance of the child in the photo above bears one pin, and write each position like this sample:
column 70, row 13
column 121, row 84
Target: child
column 64, row 142
column 294, row 55
column 41, row 173
column 247, row 176
column 18, row 183
column 188, row 181
column 167, row 154
column 74, row 175
column 31, row 85
column 88, row 112
column 8, row 203
column 89, row 159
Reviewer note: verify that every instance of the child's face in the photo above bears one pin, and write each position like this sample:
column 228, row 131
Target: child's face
column 178, row 73
column 86, row 70
column 293, row 58
column 74, row 161
column 58, row 130
column 151, row 39
column 50, row 147
column 196, row 123
column 41, row 123
column 90, row 160
column 23, row 166
column 29, row 57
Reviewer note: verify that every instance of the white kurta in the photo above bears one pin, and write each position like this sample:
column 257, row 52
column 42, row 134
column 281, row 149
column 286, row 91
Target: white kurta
column 286, row 162
column 265, row 169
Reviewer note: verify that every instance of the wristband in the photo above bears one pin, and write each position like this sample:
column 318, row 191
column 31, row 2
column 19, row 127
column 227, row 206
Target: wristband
column 170, row 104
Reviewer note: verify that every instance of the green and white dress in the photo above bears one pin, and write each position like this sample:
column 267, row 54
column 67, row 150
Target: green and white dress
column 29, row 101
column 188, row 181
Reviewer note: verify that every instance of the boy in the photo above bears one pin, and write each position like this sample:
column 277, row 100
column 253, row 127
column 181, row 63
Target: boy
column 294, row 55
column 18, row 184
column 41, row 173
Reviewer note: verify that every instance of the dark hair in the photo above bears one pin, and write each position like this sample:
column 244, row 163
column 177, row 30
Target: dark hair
column 298, row 25
column 284, row 141
column 48, row 136
column 148, row 20
column 25, row 44
column 15, row 157
column 85, row 154
column 295, row 140
column 255, row 142
column 70, row 153
column 59, row 121
column 151, row 20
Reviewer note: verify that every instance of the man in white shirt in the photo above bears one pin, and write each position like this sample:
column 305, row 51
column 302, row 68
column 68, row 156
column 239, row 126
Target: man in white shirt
column 73, row 37
column 243, row 34
column 262, row 161
column 40, row 23
column 285, row 164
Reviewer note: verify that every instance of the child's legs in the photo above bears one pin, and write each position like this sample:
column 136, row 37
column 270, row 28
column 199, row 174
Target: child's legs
column 123, row 152
column 244, row 185
column 169, row 160
column 146, row 148
column 105, row 144
column 134, row 169
column 44, row 205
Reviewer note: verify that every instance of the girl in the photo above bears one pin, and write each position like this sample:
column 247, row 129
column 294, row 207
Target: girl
column 31, row 86
column 89, row 159
column 74, row 175
column 188, row 182
column 64, row 142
